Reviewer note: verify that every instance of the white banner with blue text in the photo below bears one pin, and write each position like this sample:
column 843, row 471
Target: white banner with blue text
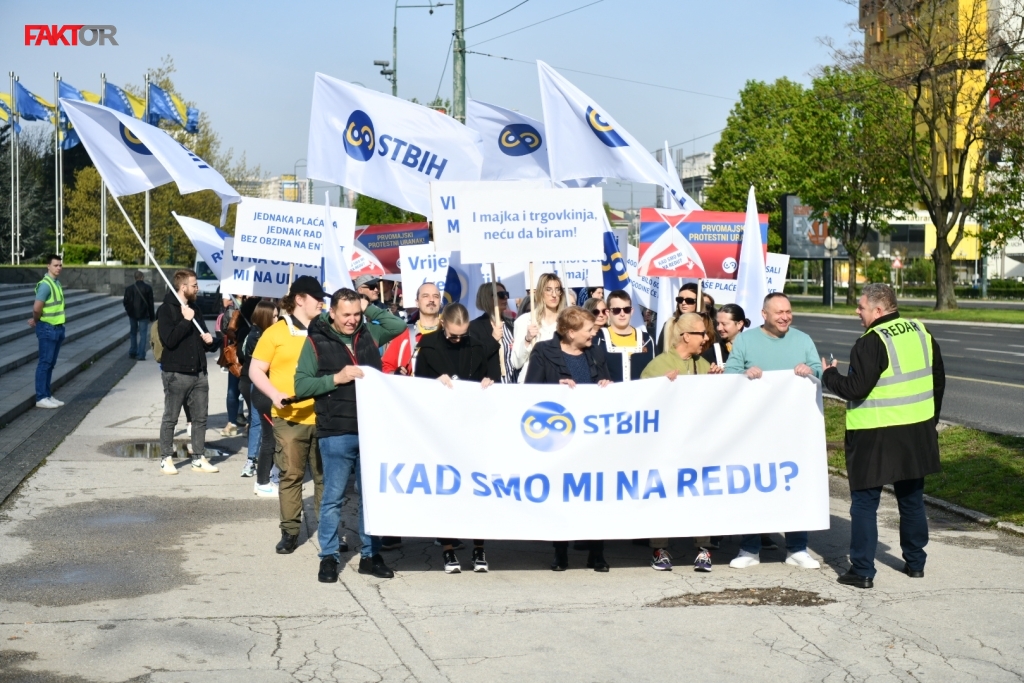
column 703, row 455
column 288, row 231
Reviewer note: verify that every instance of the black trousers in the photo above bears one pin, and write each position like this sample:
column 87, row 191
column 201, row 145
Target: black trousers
column 261, row 410
column 864, row 526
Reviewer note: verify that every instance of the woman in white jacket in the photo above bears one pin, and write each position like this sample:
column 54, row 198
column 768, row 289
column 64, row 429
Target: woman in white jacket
column 548, row 301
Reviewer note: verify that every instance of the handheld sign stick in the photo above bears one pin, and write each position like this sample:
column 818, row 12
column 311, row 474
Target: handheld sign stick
column 291, row 274
column 531, row 291
column 497, row 317
column 153, row 258
column 700, row 295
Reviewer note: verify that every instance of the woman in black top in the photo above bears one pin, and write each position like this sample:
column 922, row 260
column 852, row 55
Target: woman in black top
column 448, row 355
column 486, row 332
column 261, row 434
column 570, row 359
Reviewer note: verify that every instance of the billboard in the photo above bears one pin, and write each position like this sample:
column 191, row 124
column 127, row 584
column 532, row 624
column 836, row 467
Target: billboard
column 804, row 236
column 714, row 235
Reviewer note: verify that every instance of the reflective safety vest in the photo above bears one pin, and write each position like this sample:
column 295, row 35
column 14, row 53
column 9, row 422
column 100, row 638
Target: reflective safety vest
column 53, row 307
column 903, row 394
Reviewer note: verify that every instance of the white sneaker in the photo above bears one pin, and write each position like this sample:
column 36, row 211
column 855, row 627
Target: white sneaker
column 268, row 490
column 803, row 560
column 47, row 403
column 167, row 466
column 56, row 400
column 203, row 465
column 744, row 560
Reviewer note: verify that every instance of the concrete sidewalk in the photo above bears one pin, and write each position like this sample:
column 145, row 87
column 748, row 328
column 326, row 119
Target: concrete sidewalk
column 110, row 571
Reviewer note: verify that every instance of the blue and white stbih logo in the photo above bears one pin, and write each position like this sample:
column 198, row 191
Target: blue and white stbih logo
column 604, row 131
column 547, row 426
column 359, row 136
column 518, row 139
column 133, row 143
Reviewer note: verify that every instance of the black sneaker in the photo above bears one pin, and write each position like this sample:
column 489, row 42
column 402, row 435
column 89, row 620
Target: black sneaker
column 390, row 542
column 288, row 543
column 328, row 570
column 855, row 580
column 479, row 560
column 451, row 563
column 561, row 561
column 597, row 562
column 375, row 566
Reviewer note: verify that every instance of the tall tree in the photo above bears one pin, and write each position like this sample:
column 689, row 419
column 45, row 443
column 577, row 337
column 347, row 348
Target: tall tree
column 1001, row 206
column 370, row 211
column 947, row 56
column 849, row 139
column 755, row 149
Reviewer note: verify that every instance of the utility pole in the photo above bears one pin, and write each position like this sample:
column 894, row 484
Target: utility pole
column 146, row 119
column 459, row 65
column 103, row 185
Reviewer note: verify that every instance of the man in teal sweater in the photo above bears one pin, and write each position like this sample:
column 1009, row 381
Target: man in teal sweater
column 774, row 346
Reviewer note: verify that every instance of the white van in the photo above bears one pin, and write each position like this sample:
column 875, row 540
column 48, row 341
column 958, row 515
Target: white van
column 209, row 301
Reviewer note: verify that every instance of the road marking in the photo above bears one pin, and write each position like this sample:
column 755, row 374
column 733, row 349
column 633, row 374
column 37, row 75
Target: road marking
column 833, row 329
column 1015, row 346
column 953, row 341
column 977, row 334
column 1010, row 353
column 986, row 381
column 983, row 360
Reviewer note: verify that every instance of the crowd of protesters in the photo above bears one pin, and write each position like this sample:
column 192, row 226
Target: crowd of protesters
column 294, row 363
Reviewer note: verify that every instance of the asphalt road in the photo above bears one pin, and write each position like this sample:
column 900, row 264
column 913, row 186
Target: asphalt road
column 962, row 303
column 984, row 368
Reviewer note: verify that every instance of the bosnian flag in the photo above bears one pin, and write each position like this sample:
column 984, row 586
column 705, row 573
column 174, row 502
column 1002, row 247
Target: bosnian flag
column 664, row 251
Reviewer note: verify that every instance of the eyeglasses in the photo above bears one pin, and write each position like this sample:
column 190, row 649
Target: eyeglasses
column 616, row 310
column 685, row 300
column 455, row 337
column 600, row 311
column 502, row 295
column 702, row 333
column 549, row 290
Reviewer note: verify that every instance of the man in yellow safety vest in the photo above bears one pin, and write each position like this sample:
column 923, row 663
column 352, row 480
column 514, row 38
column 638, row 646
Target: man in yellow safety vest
column 894, row 394
column 48, row 321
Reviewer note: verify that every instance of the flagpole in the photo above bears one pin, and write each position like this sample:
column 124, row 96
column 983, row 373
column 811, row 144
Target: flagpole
column 103, row 185
column 14, row 140
column 17, row 177
column 533, row 296
column 56, row 163
column 170, row 287
column 497, row 319
column 146, row 245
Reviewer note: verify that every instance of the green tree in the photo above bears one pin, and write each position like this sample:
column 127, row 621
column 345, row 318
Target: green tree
column 1001, row 207
column 82, row 201
column 755, row 150
column 370, row 211
column 848, row 146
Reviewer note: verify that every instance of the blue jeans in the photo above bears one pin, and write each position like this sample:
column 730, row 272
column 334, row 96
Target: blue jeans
column 255, row 429
column 796, row 541
column 50, row 338
column 864, row 526
column 340, row 455
column 138, row 338
column 234, row 398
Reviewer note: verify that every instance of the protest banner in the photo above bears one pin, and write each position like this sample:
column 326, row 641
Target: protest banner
column 420, row 264
column 573, row 273
column 207, row 240
column 447, row 207
column 287, row 231
column 244, row 276
column 362, row 261
column 714, row 235
column 525, row 225
column 664, row 250
column 385, row 239
column 554, row 463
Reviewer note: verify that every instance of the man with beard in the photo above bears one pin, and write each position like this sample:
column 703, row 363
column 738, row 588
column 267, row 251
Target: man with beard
column 401, row 352
column 183, row 370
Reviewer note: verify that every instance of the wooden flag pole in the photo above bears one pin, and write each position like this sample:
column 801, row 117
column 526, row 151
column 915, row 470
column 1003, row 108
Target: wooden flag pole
column 700, row 295
column 533, row 296
column 498, row 320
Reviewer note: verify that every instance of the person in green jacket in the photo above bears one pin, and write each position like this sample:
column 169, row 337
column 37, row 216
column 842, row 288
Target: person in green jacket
column 682, row 358
column 48, row 321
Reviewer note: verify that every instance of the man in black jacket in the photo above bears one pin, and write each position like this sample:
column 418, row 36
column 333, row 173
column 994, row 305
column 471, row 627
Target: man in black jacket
column 894, row 391
column 183, row 366
column 138, row 304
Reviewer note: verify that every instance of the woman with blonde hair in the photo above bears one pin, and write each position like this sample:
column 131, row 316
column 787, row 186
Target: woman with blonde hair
column 539, row 325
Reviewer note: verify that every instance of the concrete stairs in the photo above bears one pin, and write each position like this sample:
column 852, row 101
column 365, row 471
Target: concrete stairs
column 95, row 325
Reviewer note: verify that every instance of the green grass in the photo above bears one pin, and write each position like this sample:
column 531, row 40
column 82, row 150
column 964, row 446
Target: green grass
column 977, row 315
column 980, row 471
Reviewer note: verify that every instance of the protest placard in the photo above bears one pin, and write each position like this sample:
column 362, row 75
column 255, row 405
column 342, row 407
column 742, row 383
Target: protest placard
column 573, row 273
column 532, row 225
column 594, row 462
column 244, row 276
column 447, row 208
column 420, row 264
column 714, row 236
column 287, row 231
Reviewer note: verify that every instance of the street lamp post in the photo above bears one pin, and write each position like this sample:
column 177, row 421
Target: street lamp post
column 392, row 73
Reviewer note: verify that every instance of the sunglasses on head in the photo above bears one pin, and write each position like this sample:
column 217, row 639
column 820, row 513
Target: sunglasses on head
column 686, row 300
column 623, row 309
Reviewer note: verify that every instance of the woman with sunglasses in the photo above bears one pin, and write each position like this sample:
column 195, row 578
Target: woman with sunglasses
column 686, row 302
column 627, row 349
column 539, row 324
column 451, row 356
column 599, row 309
column 682, row 358
column 484, row 330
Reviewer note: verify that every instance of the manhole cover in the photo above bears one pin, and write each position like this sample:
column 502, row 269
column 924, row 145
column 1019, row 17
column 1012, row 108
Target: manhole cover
column 750, row 597
column 147, row 449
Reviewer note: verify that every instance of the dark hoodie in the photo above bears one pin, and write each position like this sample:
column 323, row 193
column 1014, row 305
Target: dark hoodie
column 547, row 363
column 466, row 360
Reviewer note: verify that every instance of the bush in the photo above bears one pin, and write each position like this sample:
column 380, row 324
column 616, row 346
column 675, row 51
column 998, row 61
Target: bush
column 81, row 253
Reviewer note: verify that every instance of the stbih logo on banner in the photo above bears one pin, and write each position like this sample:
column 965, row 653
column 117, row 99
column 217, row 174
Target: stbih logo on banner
column 134, row 144
column 594, row 462
column 605, row 132
column 519, row 139
column 359, row 137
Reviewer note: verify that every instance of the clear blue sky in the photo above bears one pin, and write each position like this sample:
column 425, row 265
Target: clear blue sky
column 250, row 65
